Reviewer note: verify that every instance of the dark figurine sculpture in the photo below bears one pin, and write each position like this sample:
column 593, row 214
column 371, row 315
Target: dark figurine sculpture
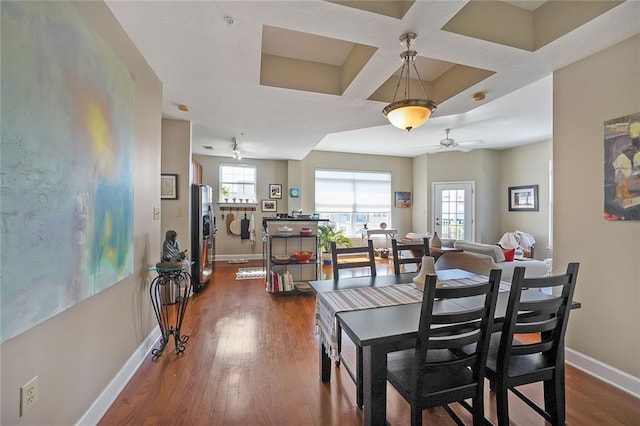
column 171, row 250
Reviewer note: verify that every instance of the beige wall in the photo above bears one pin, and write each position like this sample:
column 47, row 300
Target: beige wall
column 401, row 180
column 78, row 352
column 527, row 165
column 481, row 166
column 301, row 174
column 229, row 246
column 176, row 159
column 587, row 93
column 421, row 211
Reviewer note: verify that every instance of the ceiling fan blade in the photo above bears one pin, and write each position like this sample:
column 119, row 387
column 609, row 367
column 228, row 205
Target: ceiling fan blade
column 470, row 142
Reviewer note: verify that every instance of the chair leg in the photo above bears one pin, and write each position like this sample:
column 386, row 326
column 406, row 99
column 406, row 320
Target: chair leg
column 502, row 404
column 478, row 409
column 554, row 400
column 416, row 415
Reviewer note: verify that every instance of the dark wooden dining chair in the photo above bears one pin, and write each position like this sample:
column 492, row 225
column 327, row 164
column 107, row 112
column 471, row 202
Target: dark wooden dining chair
column 447, row 363
column 417, row 250
column 340, row 258
column 512, row 362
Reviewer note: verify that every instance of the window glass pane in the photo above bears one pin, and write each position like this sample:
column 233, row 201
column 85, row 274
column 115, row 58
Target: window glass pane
column 353, row 199
column 453, row 214
column 239, row 181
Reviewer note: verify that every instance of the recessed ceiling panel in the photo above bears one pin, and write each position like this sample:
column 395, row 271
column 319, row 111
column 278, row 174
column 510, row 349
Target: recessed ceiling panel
column 441, row 79
column 527, row 28
column 392, row 8
column 302, row 61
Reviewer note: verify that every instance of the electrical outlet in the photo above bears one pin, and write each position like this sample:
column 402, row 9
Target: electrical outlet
column 156, row 213
column 28, row 395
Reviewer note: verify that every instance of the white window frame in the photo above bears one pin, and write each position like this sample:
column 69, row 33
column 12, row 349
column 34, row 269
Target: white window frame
column 237, row 185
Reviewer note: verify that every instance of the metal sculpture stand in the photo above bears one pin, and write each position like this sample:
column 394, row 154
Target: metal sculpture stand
column 170, row 292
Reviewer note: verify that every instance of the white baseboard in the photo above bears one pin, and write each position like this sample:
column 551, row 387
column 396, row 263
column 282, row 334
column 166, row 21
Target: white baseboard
column 113, row 389
column 621, row 380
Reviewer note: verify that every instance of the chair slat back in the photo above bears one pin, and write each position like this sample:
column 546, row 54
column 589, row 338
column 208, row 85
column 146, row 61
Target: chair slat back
column 339, row 262
column 547, row 317
column 417, row 250
column 464, row 334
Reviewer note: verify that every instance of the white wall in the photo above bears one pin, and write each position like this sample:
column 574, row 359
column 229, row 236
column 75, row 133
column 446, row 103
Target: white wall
column 587, row 93
column 77, row 353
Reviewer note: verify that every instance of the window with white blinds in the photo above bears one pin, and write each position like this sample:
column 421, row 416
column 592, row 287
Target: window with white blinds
column 237, row 182
column 352, row 199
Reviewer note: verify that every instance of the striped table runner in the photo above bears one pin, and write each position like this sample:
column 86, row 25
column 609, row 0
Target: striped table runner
column 331, row 302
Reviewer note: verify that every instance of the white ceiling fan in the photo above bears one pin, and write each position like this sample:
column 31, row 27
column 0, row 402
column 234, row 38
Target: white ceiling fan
column 452, row 144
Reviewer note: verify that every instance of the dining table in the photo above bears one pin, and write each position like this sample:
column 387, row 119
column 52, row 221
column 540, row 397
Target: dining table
column 377, row 331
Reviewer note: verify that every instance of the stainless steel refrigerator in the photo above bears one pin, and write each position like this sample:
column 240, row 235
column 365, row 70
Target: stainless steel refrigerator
column 203, row 235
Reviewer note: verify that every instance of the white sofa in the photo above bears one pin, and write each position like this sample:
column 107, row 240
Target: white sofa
column 534, row 268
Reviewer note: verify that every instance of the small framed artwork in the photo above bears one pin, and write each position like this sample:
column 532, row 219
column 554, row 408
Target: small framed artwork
column 275, row 190
column 269, row 205
column 523, row 198
column 169, row 186
column 294, row 192
column 403, row 199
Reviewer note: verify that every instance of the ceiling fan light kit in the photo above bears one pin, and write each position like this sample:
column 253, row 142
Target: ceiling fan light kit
column 408, row 113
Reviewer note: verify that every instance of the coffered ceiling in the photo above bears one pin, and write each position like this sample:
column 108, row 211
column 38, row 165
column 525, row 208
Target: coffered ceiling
column 288, row 77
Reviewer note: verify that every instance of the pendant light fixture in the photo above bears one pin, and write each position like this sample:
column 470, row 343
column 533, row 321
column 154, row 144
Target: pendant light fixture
column 408, row 113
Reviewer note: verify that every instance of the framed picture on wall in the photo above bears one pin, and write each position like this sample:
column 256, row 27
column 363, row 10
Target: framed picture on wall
column 169, row 186
column 403, row 199
column 275, row 190
column 523, row 198
column 269, row 205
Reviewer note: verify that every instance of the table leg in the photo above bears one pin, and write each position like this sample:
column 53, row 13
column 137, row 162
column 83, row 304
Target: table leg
column 359, row 382
column 374, row 365
column 325, row 363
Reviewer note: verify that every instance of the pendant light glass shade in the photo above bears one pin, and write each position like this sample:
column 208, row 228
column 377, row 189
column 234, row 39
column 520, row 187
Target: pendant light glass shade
column 408, row 113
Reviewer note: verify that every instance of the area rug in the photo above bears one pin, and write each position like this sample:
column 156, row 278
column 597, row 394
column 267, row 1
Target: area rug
column 250, row 273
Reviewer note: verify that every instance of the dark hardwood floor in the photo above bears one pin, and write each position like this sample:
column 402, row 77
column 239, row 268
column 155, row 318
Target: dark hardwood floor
column 252, row 359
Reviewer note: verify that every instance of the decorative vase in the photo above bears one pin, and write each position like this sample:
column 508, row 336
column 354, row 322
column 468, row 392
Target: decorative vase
column 435, row 240
column 427, row 268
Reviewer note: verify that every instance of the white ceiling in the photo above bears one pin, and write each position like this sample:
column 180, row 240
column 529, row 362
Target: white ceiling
column 214, row 68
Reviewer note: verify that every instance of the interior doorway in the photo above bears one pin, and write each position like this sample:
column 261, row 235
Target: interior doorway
column 454, row 210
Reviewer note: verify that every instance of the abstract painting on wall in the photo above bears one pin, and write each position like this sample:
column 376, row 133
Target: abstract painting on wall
column 622, row 168
column 66, row 189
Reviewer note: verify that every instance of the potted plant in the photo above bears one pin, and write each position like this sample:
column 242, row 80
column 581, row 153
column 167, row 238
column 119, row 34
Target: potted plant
column 226, row 192
column 326, row 235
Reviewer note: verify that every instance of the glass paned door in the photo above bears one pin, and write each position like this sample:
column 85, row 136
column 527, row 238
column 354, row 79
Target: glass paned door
column 453, row 210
